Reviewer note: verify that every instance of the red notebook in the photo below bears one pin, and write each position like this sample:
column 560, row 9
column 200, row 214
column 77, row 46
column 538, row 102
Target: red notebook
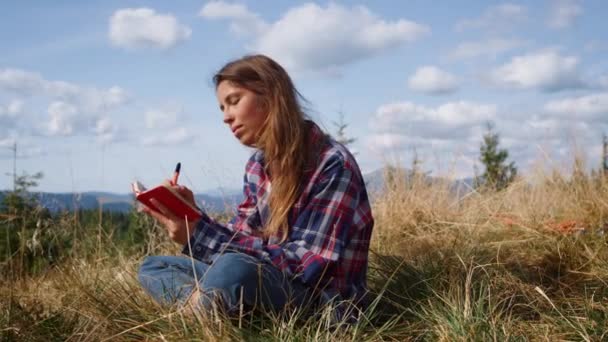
column 168, row 198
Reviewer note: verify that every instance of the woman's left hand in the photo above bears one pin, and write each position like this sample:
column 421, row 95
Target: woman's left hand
column 179, row 229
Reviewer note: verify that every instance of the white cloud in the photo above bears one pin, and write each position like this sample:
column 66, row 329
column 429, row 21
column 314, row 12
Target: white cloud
column 543, row 125
column 162, row 118
column 499, row 17
column 545, row 70
column 311, row 37
column 15, row 107
column 10, row 116
column 7, row 141
column 25, row 148
column 165, row 128
column 452, row 120
column 21, row 81
column 71, row 109
column 491, row 48
column 142, row 27
column 103, row 126
column 243, row 22
column 105, row 130
column 439, row 157
column 61, row 89
column 115, row 96
column 388, row 141
column 594, row 106
column 91, row 99
column 539, row 128
column 12, row 110
column 464, row 113
column 63, row 119
column 176, row 136
column 446, row 133
column 31, row 83
column 432, row 80
column 442, row 132
column 564, row 13
column 397, row 113
column 543, row 136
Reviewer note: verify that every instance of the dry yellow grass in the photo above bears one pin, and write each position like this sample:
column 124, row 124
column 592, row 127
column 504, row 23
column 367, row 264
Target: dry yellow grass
column 526, row 263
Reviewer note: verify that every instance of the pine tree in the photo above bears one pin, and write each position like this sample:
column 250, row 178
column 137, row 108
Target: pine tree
column 604, row 168
column 497, row 174
column 416, row 162
column 20, row 200
column 417, row 173
column 340, row 131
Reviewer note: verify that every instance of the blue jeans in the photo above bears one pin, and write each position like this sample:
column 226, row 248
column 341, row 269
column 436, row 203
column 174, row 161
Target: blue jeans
column 231, row 280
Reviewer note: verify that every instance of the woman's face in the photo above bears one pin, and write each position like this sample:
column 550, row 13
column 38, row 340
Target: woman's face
column 244, row 111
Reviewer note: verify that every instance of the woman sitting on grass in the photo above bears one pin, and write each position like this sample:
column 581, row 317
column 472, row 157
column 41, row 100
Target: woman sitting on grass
column 301, row 235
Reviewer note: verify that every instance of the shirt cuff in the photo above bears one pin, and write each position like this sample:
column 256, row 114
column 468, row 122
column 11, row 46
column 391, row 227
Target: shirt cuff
column 197, row 247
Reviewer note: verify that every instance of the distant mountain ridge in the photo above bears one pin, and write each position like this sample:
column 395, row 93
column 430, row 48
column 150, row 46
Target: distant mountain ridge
column 375, row 181
column 215, row 201
column 57, row 202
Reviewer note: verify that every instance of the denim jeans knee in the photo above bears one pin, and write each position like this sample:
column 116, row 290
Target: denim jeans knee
column 170, row 279
column 233, row 279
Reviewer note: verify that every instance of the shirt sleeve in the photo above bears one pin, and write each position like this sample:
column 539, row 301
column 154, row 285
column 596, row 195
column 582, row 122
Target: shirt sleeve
column 317, row 236
column 246, row 222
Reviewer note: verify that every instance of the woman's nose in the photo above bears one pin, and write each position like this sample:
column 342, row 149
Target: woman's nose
column 227, row 117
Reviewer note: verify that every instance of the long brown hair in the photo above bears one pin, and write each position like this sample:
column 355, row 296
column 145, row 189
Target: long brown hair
column 283, row 137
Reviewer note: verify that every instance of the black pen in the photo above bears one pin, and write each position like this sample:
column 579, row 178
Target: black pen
column 176, row 173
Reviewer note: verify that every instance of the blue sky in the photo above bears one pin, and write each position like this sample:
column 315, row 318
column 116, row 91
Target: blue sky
column 97, row 94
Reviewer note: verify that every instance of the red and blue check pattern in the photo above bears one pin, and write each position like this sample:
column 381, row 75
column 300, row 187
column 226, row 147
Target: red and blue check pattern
column 330, row 225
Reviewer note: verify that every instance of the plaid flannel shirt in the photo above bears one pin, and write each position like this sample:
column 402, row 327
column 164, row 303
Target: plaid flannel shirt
column 330, row 225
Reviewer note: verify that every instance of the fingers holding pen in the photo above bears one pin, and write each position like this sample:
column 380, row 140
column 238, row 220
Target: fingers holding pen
column 179, row 228
column 187, row 194
column 183, row 191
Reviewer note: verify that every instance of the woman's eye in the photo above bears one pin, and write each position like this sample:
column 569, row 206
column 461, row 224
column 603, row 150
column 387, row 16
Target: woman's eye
column 235, row 101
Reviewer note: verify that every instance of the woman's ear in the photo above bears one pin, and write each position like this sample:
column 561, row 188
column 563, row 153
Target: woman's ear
column 263, row 103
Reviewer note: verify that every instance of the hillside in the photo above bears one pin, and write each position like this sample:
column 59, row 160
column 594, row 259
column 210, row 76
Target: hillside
column 56, row 202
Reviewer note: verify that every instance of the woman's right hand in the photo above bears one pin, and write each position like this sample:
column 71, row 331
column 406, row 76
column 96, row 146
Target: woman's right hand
column 183, row 191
